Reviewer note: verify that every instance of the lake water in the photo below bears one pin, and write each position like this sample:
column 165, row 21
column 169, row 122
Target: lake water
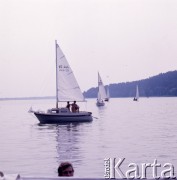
column 137, row 131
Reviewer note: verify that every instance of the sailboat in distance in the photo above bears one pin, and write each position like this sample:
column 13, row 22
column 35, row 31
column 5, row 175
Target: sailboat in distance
column 67, row 89
column 107, row 94
column 137, row 94
column 101, row 92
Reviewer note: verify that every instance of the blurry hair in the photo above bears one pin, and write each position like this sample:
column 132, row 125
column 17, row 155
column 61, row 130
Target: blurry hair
column 1, row 174
column 63, row 166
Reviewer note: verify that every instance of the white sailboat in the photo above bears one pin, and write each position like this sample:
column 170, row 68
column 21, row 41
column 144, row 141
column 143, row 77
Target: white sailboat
column 67, row 89
column 101, row 92
column 107, row 94
column 137, row 94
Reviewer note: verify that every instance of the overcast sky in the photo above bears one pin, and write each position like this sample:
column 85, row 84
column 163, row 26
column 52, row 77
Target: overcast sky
column 125, row 40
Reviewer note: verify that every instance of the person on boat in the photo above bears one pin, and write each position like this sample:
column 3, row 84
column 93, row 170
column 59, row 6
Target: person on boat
column 68, row 105
column 65, row 169
column 75, row 107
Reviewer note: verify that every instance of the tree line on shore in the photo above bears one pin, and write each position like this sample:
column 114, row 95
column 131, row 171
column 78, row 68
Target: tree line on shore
column 162, row 85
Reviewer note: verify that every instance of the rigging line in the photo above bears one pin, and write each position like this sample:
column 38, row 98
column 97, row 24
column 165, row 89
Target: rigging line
column 95, row 117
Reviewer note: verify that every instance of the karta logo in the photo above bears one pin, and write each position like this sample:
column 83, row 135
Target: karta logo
column 114, row 168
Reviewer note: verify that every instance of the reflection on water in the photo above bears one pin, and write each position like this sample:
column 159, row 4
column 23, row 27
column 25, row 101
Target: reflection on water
column 101, row 111
column 68, row 141
column 67, row 137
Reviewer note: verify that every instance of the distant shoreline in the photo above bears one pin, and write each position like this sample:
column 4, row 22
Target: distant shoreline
column 27, row 98
column 53, row 97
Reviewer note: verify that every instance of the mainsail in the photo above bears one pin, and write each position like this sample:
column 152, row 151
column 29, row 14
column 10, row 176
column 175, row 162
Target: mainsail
column 101, row 88
column 137, row 93
column 66, row 85
column 107, row 93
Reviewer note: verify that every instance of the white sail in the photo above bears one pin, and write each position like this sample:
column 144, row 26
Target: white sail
column 98, row 96
column 67, row 86
column 107, row 93
column 137, row 93
column 101, row 88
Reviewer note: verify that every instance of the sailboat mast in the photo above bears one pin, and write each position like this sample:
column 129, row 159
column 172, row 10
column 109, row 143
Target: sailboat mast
column 56, row 76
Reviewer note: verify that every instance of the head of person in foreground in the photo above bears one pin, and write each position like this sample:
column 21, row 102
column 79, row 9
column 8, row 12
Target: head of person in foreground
column 65, row 169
